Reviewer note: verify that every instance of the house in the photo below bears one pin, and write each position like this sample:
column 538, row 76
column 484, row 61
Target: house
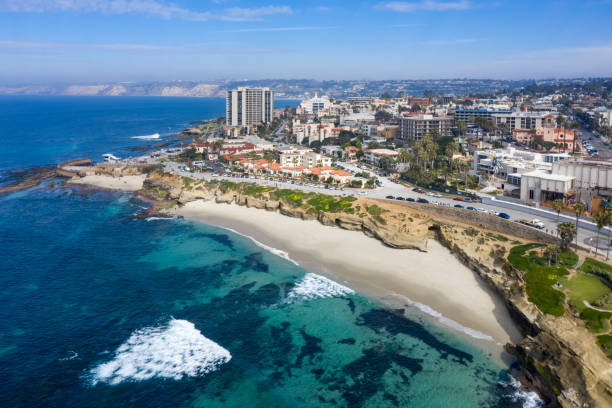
column 373, row 156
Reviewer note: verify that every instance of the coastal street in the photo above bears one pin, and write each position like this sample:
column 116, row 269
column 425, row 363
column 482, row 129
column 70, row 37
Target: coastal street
column 389, row 188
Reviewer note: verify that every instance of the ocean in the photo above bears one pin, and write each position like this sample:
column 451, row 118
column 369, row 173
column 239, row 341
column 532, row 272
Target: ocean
column 99, row 307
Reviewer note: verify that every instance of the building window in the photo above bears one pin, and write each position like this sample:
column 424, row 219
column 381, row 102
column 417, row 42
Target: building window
column 531, row 194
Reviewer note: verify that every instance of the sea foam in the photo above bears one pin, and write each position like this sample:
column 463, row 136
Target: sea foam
column 527, row 399
column 154, row 136
column 171, row 351
column 313, row 286
column 445, row 320
column 272, row 250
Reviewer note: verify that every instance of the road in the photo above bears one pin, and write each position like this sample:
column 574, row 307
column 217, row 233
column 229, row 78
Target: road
column 598, row 143
column 389, row 188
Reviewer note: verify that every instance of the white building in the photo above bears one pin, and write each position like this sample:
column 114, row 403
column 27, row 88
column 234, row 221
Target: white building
column 538, row 186
column 315, row 105
column 245, row 106
column 521, row 120
column 593, row 177
column 373, row 156
column 296, row 156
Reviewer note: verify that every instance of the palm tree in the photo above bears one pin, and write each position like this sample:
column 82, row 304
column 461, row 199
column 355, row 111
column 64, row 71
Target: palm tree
column 549, row 251
column 578, row 210
column 566, row 231
column 601, row 219
column 558, row 207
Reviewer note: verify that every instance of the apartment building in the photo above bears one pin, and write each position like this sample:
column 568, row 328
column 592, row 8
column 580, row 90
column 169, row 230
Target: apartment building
column 300, row 156
column 314, row 105
column 469, row 115
column 522, row 120
column 246, row 106
column 415, row 127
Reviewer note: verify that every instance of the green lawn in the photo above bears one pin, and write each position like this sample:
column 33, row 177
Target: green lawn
column 598, row 268
column 540, row 278
column 596, row 321
column 585, row 287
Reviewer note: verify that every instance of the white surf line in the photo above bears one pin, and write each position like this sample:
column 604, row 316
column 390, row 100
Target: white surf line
column 154, row 136
column 275, row 251
column 444, row 320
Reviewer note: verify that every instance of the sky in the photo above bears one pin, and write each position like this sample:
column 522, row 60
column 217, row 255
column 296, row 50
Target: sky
column 89, row 41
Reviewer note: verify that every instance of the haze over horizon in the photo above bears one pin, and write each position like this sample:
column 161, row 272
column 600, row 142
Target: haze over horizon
column 86, row 41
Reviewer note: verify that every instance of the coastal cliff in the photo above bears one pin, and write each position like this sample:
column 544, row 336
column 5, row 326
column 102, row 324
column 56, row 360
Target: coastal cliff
column 558, row 356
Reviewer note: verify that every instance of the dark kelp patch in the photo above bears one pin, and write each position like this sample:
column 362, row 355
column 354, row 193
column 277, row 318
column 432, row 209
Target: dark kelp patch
column 394, row 324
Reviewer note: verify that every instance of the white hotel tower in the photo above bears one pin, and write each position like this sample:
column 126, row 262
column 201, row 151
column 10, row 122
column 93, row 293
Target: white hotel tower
column 247, row 106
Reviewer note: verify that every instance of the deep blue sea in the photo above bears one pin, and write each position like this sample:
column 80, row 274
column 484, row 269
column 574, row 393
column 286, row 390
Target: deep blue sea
column 99, row 308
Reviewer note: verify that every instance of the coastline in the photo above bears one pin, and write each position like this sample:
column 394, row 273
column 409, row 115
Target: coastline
column 459, row 301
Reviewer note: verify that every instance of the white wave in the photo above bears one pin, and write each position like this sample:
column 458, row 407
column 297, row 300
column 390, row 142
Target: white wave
column 172, row 351
column 528, row 399
column 158, row 218
column 275, row 251
column 313, row 286
column 154, row 136
column 445, row 320
column 72, row 355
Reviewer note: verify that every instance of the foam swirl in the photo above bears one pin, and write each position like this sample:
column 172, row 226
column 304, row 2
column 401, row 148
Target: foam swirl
column 172, row 351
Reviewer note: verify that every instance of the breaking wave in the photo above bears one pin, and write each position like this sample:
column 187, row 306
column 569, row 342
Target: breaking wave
column 313, row 286
column 154, row 136
column 172, row 351
column 445, row 320
column 527, row 399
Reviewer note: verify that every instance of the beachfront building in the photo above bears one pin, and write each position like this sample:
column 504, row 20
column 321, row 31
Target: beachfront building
column 246, row 106
column 540, row 186
column 292, row 156
column 593, row 178
column 415, row 127
column 504, row 162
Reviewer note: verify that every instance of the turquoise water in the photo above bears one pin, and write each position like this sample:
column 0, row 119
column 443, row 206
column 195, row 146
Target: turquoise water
column 99, row 308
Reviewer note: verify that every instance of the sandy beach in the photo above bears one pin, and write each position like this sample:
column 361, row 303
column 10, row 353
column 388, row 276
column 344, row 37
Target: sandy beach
column 436, row 282
column 123, row 183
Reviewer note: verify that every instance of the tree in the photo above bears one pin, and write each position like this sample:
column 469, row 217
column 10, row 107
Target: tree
column 566, row 232
column 578, row 210
column 462, row 126
column 386, row 163
column 608, row 223
column 549, row 251
column 415, row 108
column 386, row 95
column 450, row 151
column 558, row 207
column 383, row 116
column 601, row 219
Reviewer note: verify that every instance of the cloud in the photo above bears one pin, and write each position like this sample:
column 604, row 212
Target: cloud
column 153, row 8
column 34, row 46
column 426, row 5
column 273, row 29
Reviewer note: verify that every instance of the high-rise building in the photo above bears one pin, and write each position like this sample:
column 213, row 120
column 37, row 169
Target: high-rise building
column 247, row 106
column 415, row 127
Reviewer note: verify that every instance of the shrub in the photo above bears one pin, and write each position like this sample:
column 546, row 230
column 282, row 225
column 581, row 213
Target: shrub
column 596, row 321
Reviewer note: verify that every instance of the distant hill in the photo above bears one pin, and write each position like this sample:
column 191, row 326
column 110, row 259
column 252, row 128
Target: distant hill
column 289, row 88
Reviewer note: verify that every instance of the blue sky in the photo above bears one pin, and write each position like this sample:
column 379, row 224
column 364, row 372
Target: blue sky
column 139, row 40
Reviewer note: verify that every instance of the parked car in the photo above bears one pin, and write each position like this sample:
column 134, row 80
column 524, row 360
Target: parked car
column 471, row 208
column 503, row 215
column 400, row 199
column 410, row 199
column 458, row 206
column 458, row 198
column 390, row 197
column 422, row 200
